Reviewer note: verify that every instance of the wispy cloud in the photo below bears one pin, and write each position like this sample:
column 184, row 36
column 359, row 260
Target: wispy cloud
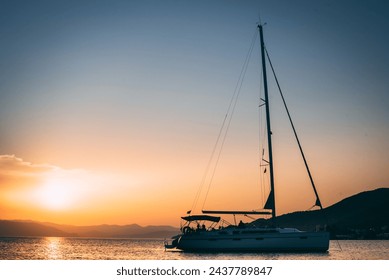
column 15, row 173
column 10, row 165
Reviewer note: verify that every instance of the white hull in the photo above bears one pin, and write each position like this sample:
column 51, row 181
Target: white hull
column 255, row 241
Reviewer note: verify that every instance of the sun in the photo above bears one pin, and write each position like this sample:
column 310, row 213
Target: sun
column 56, row 194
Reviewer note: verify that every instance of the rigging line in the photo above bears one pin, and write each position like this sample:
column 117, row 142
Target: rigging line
column 209, row 164
column 229, row 121
column 207, row 169
column 214, row 149
column 236, row 94
column 318, row 202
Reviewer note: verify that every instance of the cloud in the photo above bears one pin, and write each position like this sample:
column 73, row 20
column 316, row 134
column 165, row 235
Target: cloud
column 18, row 173
column 14, row 169
column 12, row 165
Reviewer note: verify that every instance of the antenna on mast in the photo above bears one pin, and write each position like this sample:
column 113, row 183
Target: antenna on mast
column 259, row 22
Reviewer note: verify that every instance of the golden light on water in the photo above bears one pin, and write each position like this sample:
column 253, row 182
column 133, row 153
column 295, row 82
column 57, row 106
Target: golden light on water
column 53, row 248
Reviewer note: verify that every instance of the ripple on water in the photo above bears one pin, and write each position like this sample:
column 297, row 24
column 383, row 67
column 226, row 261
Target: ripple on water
column 63, row 248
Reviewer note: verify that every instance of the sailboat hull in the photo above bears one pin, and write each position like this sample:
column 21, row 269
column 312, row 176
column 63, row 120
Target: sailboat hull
column 255, row 242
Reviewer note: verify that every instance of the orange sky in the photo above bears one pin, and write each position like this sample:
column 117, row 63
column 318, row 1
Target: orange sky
column 108, row 119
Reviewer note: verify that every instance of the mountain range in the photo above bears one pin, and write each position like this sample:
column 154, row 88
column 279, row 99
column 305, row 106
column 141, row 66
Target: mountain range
column 364, row 215
column 32, row 228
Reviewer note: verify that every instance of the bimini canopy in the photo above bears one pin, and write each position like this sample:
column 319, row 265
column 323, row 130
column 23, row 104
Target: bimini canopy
column 201, row 218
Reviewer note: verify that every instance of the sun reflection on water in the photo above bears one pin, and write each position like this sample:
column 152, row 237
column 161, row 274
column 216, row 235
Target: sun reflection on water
column 53, row 247
column 64, row 248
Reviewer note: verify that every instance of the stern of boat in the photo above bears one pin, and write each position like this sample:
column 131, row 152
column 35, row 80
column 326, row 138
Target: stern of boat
column 172, row 243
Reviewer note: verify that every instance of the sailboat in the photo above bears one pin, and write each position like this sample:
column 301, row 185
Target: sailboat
column 208, row 232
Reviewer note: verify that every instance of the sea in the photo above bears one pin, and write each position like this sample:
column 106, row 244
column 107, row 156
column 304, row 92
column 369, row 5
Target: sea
column 69, row 248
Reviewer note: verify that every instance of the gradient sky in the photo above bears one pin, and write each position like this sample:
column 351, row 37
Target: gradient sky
column 109, row 110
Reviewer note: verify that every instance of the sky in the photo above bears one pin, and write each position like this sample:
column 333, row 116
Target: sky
column 109, row 110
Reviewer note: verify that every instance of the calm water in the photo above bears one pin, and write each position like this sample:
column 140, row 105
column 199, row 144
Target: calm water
column 133, row 249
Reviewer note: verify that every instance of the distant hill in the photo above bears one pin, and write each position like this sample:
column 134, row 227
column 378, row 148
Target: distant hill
column 366, row 209
column 133, row 231
column 31, row 228
column 363, row 215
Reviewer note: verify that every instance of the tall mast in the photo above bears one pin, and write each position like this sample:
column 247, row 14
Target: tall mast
column 270, row 203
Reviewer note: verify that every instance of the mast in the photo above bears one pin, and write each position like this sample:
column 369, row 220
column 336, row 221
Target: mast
column 270, row 203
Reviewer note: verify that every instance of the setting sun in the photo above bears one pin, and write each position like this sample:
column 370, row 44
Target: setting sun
column 56, row 194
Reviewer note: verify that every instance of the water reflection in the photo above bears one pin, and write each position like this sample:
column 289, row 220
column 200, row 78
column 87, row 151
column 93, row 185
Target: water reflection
column 63, row 248
column 53, row 247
